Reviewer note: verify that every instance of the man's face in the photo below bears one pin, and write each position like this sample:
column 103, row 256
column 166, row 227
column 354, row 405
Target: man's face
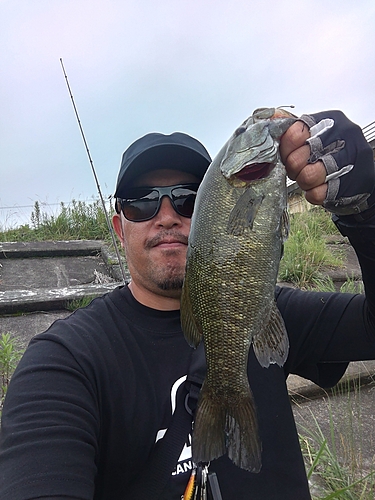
column 156, row 249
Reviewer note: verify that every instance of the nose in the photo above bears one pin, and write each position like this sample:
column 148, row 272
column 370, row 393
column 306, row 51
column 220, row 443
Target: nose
column 167, row 215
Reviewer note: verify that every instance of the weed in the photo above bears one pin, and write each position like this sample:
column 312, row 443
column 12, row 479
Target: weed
column 333, row 446
column 326, row 284
column 322, row 284
column 77, row 221
column 306, row 253
column 72, row 305
column 9, row 356
column 352, row 285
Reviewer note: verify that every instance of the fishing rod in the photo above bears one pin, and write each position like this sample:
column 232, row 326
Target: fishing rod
column 95, row 176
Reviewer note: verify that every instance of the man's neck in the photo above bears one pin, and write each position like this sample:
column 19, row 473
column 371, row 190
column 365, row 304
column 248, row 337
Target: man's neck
column 153, row 300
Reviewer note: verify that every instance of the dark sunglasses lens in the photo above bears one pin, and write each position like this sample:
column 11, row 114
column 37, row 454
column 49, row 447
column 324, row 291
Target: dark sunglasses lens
column 142, row 207
column 184, row 199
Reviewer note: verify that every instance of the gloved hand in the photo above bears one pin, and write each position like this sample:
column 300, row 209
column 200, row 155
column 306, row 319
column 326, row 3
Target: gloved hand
column 348, row 160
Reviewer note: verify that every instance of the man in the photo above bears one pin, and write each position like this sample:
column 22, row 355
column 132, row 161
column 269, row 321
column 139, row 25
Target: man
column 93, row 394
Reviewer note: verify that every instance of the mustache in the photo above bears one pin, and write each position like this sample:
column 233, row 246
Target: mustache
column 166, row 235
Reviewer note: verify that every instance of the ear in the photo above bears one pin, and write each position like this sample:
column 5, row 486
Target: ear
column 117, row 225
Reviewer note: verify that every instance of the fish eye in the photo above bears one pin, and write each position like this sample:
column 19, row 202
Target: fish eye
column 240, row 131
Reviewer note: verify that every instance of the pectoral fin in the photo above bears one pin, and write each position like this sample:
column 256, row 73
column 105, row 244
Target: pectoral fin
column 284, row 225
column 284, row 229
column 244, row 212
column 271, row 344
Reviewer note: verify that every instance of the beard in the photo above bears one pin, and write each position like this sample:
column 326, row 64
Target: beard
column 169, row 284
column 171, row 277
column 169, row 280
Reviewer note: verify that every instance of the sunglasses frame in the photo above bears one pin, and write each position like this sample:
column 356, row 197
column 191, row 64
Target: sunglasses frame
column 162, row 191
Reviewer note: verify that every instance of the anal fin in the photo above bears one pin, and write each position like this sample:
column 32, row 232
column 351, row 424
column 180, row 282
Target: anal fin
column 271, row 344
column 190, row 327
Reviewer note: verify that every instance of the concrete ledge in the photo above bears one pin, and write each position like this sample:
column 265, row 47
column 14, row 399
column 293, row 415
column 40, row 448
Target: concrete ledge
column 111, row 261
column 21, row 250
column 42, row 299
column 358, row 372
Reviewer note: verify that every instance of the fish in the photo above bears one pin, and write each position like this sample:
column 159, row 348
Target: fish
column 238, row 229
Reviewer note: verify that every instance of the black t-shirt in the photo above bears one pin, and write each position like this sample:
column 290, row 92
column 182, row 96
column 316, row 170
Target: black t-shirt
column 93, row 394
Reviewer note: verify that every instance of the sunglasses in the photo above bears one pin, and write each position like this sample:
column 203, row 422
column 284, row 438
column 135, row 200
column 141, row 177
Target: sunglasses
column 144, row 202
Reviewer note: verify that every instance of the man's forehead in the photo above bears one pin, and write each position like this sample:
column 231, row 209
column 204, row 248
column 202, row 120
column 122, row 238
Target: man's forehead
column 164, row 177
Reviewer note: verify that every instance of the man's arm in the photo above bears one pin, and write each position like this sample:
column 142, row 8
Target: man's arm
column 48, row 440
column 329, row 158
column 336, row 169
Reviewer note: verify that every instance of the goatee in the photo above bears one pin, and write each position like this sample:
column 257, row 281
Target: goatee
column 171, row 284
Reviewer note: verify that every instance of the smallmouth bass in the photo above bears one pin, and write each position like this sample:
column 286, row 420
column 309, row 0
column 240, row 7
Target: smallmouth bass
column 235, row 245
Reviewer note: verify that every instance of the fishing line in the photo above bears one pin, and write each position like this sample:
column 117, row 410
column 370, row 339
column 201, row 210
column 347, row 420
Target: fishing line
column 95, row 176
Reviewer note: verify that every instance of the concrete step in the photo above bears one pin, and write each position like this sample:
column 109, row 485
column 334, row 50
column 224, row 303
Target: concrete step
column 29, row 249
column 44, row 299
column 44, row 276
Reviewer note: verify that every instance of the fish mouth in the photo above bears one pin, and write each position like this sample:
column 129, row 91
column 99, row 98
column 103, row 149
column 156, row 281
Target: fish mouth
column 254, row 171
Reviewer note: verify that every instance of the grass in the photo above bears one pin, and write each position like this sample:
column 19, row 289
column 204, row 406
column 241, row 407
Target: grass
column 326, row 284
column 306, row 255
column 77, row 221
column 327, row 476
column 10, row 354
column 332, row 444
column 75, row 304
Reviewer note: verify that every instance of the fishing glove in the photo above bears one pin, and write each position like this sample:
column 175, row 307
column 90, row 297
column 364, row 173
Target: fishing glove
column 349, row 162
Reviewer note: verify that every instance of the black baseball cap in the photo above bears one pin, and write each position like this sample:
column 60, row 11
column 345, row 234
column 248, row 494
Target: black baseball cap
column 155, row 151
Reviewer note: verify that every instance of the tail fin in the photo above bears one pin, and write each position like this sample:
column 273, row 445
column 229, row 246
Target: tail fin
column 243, row 443
column 208, row 441
column 218, row 430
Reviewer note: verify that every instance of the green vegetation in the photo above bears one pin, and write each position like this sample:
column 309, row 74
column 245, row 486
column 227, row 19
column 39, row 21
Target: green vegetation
column 326, row 284
column 335, row 465
column 352, row 286
column 77, row 221
column 72, row 305
column 306, row 255
column 334, row 480
column 9, row 357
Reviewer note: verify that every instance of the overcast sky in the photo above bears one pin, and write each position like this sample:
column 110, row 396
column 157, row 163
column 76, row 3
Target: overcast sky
column 135, row 66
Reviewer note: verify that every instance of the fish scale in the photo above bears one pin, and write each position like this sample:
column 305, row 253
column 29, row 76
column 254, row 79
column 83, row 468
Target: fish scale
column 235, row 246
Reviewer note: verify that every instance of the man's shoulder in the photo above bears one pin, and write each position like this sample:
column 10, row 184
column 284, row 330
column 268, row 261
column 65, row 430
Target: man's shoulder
column 97, row 310
column 88, row 324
